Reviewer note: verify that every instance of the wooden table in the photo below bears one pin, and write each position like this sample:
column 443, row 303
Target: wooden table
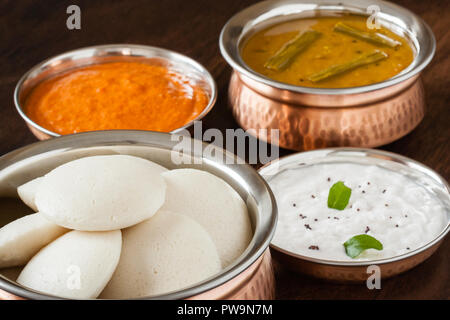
column 31, row 31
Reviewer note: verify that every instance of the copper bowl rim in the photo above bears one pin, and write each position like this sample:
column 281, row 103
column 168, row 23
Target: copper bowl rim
column 242, row 23
column 373, row 153
column 116, row 50
column 242, row 176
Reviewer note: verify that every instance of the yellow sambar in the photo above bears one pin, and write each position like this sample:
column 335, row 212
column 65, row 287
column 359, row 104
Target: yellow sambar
column 331, row 48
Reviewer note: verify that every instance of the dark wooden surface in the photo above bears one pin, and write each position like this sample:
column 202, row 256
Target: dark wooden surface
column 31, row 31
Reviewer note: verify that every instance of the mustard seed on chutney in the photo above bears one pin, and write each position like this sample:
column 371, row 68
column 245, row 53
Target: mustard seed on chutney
column 116, row 95
column 327, row 52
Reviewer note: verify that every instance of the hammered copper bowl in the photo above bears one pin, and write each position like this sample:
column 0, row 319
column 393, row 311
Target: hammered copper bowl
column 111, row 53
column 250, row 277
column 349, row 271
column 310, row 118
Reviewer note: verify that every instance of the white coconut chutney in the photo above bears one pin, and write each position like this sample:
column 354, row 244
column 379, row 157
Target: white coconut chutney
column 384, row 204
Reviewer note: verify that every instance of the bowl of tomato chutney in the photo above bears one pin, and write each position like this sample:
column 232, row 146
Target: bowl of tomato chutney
column 114, row 87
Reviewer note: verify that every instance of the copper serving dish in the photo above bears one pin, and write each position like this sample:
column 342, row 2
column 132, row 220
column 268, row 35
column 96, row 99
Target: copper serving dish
column 250, row 277
column 111, row 53
column 349, row 271
column 310, row 118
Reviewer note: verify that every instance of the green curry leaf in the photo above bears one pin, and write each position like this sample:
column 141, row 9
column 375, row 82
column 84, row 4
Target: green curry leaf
column 339, row 196
column 357, row 244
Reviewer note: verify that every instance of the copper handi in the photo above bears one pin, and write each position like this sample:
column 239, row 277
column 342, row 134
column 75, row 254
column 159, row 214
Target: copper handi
column 310, row 118
column 356, row 271
column 250, row 277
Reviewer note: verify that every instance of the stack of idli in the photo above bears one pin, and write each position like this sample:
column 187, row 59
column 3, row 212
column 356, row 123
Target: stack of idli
column 119, row 226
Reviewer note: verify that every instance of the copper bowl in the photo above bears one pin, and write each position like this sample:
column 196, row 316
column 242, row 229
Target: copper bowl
column 111, row 53
column 349, row 271
column 310, row 118
column 250, row 277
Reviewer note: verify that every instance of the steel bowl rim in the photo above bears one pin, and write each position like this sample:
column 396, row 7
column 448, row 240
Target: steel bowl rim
column 393, row 156
column 179, row 57
column 141, row 137
column 242, row 69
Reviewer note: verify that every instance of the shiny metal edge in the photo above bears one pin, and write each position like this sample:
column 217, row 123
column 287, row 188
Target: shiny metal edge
column 124, row 50
column 261, row 238
column 364, row 152
column 229, row 42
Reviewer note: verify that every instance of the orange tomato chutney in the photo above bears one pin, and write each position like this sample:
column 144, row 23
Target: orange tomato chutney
column 116, row 95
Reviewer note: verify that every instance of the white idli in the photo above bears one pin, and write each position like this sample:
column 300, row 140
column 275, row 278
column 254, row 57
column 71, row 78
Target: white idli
column 215, row 205
column 102, row 193
column 165, row 253
column 27, row 192
column 77, row 265
column 21, row 239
